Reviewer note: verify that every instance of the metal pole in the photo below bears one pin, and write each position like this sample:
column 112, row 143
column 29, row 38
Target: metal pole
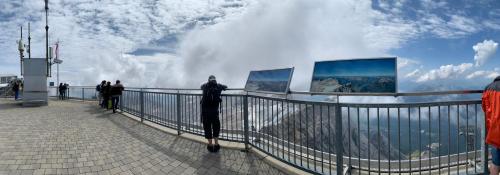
column 83, row 94
column 178, row 113
column 245, row 120
column 142, row 105
column 29, row 41
column 338, row 139
column 57, row 73
column 485, row 149
column 21, row 52
column 121, row 102
column 47, row 36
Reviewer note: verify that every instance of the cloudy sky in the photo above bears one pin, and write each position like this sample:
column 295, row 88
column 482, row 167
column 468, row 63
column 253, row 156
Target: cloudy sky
column 178, row 43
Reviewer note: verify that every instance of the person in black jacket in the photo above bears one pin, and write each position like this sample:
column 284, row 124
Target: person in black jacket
column 99, row 90
column 15, row 88
column 66, row 90
column 61, row 91
column 106, row 94
column 116, row 92
column 210, row 111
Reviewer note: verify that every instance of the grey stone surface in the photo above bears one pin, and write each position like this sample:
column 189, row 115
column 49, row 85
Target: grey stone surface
column 71, row 137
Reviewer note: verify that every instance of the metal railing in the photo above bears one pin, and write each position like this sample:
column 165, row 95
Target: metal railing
column 182, row 111
column 76, row 92
column 333, row 137
column 4, row 92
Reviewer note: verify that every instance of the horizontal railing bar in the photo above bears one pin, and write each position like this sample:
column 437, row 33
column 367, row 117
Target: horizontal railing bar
column 390, row 94
column 181, row 89
column 425, row 93
column 409, row 105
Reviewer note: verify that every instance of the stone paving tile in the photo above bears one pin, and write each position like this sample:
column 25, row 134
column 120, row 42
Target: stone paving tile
column 70, row 137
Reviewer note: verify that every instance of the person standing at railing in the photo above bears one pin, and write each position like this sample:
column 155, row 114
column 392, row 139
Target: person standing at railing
column 100, row 91
column 66, row 90
column 61, row 91
column 107, row 95
column 491, row 107
column 116, row 92
column 210, row 102
column 15, row 88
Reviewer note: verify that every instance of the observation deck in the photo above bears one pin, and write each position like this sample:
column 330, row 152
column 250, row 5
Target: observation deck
column 74, row 137
column 158, row 131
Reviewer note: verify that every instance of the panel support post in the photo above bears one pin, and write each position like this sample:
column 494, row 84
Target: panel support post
column 245, row 121
column 179, row 123
column 339, row 140
column 142, row 104
column 484, row 155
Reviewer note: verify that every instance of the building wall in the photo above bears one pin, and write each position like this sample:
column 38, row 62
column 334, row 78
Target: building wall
column 6, row 79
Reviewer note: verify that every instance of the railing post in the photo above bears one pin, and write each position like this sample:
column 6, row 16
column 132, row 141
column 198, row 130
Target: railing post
column 484, row 156
column 121, row 101
column 83, row 94
column 178, row 113
column 141, row 95
column 339, row 140
column 245, row 120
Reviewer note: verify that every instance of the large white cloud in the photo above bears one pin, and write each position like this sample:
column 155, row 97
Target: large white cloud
column 290, row 33
column 484, row 74
column 484, row 51
column 226, row 38
column 445, row 72
column 94, row 34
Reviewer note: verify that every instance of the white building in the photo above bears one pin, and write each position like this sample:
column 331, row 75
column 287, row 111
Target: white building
column 6, row 78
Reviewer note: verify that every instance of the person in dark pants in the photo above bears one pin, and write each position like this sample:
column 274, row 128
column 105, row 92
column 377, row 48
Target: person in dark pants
column 116, row 92
column 66, row 91
column 210, row 102
column 15, row 88
column 61, row 91
column 106, row 94
column 101, row 92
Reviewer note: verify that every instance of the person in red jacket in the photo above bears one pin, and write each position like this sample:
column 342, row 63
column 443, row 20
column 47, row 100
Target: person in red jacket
column 491, row 108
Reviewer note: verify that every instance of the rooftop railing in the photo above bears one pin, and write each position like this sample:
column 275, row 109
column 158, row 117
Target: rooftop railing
column 330, row 136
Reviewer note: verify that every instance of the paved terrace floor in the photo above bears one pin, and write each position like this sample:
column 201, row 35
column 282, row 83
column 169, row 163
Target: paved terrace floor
column 71, row 137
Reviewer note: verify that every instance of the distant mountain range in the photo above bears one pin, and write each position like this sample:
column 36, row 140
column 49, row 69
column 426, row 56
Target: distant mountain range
column 273, row 86
column 354, row 84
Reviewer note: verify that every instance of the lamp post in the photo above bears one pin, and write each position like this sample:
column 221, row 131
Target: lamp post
column 21, row 50
column 29, row 41
column 47, row 37
column 57, row 60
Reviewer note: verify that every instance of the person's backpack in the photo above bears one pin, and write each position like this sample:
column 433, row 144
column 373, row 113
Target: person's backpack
column 98, row 88
column 212, row 95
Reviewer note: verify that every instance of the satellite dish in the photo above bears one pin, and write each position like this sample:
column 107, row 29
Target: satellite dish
column 57, row 61
column 20, row 46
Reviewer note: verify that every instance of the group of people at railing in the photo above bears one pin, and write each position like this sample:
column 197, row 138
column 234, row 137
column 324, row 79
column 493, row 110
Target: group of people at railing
column 63, row 91
column 109, row 95
column 109, row 98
